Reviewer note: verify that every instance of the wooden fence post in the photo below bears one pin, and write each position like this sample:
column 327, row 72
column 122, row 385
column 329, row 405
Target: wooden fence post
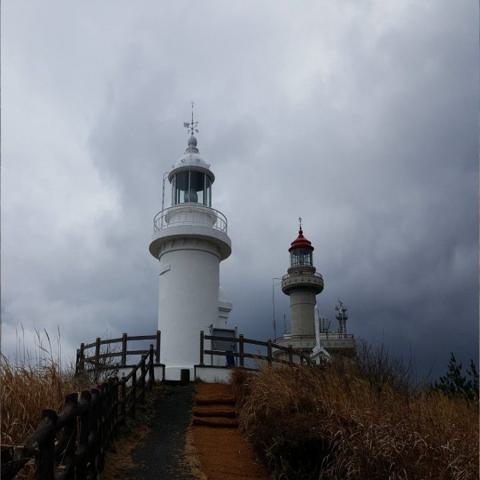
column 115, row 406
column 124, row 349
column 202, row 341
column 102, row 426
column 81, row 359
column 157, row 347
column 46, row 448
column 123, row 405
column 93, row 432
column 77, row 361
column 112, row 408
column 66, row 447
column 97, row 357
column 269, row 352
column 151, row 369
column 290, row 355
column 134, row 393
column 241, row 350
column 82, row 452
column 143, row 374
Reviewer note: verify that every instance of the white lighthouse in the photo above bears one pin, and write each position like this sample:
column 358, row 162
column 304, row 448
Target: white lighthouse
column 190, row 240
column 302, row 284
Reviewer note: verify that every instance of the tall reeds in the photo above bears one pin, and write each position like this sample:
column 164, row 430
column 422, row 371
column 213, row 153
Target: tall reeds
column 30, row 383
column 350, row 421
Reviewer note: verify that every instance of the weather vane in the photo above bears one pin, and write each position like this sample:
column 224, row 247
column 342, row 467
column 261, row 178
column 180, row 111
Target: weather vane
column 300, row 222
column 192, row 126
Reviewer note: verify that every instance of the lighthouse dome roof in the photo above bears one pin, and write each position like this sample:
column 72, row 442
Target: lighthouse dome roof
column 191, row 160
column 301, row 243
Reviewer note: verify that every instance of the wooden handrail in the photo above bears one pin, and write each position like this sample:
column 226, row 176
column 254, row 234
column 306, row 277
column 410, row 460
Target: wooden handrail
column 118, row 340
column 97, row 413
column 241, row 355
column 96, row 359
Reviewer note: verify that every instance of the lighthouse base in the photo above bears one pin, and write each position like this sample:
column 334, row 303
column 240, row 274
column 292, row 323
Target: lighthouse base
column 177, row 373
column 212, row 374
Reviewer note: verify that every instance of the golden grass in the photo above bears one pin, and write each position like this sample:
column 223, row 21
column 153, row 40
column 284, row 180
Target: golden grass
column 25, row 391
column 332, row 423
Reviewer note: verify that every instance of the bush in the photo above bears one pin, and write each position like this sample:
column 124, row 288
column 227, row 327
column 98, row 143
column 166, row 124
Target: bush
column 335, row 423
column 457, row 384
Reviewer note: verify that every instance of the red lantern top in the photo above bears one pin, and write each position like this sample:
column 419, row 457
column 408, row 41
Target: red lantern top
column 301, row 243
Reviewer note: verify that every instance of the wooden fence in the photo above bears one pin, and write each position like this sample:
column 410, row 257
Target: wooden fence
column 241, row 354
column 103, row 361
column 71, row 445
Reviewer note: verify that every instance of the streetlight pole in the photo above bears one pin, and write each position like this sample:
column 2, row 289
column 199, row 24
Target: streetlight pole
column 274, row 322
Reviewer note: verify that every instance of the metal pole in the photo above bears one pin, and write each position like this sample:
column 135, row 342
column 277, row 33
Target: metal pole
column 274, row 321
column 163, row 197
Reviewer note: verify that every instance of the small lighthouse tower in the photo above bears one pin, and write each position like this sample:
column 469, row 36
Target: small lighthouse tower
column 302, row 284
column 190, row 240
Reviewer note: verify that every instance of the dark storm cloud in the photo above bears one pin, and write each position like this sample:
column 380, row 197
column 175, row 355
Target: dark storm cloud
column 360, row 118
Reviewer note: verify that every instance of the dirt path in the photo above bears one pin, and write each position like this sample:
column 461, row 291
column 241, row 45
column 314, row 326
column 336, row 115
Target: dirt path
column 222, row 452
column 160, row 456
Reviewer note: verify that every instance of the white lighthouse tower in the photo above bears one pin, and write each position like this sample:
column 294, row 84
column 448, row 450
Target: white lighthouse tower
column 302, row 284
column 190, row 240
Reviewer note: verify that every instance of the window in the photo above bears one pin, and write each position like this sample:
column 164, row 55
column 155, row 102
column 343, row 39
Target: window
column 192, row 186
column 301, row 257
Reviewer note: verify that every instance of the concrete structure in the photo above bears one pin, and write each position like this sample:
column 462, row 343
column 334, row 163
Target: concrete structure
column 190, row 240
column 309, row 333
column 302, row 284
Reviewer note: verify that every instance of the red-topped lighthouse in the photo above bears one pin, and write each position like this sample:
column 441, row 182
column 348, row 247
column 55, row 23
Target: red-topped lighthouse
column 302, row 284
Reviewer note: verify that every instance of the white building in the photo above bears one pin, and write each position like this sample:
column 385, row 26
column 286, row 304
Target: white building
column 302, row 284
column 308, row 332
column 190, row 240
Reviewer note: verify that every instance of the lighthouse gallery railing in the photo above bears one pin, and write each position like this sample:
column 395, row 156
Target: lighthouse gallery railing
column 190, row 214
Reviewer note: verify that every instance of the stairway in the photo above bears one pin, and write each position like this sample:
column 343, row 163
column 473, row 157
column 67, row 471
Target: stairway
column 223, row 452
column 215, row 407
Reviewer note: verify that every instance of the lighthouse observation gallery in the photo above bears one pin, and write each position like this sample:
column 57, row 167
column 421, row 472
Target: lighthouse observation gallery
column 190, row 240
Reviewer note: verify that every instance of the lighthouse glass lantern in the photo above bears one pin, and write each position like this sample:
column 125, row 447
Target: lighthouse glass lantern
column 301, row 251
column 301, row 257
column 192, row 186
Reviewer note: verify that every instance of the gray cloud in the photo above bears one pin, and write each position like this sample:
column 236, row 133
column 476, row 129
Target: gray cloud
column 360, row 118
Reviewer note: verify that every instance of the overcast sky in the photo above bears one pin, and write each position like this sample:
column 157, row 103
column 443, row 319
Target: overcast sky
column 359, row 116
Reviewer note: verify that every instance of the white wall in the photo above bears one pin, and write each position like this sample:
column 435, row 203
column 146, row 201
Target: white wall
column 188, row 300
column 302, row 305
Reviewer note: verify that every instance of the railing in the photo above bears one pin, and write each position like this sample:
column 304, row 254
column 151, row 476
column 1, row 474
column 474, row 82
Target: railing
column 101, row 360
column 323, row 336
column 335, row 336
column 311, row 278
column 71, row 445
column 242, row 354
column 190, row 214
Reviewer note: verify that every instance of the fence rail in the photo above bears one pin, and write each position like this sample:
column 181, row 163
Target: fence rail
column 270, row 358
column 71, row 445
column 97, row 360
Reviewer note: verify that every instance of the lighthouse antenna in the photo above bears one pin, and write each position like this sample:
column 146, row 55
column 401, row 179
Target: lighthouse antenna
column 191, row 126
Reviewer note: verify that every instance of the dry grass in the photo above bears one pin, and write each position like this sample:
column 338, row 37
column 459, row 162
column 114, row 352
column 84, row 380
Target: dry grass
column 335, row 423
column 36, row 381
column 25, row 391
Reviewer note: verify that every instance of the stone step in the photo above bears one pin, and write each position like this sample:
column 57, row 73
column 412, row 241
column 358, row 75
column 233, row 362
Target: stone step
column 214, row 411
column 215, row 422
column 207, row 400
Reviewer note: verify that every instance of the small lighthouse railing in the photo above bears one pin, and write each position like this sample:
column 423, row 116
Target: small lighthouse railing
column 190, row 214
